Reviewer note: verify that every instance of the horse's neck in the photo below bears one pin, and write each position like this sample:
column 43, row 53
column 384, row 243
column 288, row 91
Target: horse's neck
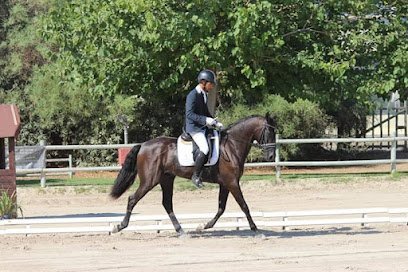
column 245, row 131
column 240, row 138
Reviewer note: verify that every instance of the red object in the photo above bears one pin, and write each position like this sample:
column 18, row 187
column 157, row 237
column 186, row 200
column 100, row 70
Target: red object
column 122, row 153
column 9, row 121
column 9, row 130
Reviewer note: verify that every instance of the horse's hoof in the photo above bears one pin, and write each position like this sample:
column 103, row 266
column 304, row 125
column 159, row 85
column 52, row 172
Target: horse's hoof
column 260, row 235
column 183, row 235
column 115, row 229
column 200, row 227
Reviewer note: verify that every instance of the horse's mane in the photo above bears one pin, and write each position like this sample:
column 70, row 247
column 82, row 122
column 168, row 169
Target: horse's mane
column 242, row 120
column 224, row 131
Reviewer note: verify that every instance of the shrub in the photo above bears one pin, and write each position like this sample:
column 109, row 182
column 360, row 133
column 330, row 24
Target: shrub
column 8, row 207
column 300, row 119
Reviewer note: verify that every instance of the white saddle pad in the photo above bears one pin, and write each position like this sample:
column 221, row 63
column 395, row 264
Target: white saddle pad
column 185, row 151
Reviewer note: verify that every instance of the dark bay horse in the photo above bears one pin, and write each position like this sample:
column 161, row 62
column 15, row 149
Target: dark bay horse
column 156, row 162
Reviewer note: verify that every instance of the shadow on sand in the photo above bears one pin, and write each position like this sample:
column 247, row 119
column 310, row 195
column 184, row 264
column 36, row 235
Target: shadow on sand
column 212, row 233
column 82, row 215
column 282, row 234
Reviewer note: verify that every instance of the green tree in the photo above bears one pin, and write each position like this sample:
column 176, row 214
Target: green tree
column 20, row 53
column 299, row 119
column 327, row 51
column 141, row 57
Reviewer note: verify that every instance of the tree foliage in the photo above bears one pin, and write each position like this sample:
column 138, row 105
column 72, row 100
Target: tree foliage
column 300, row 119
column 89, row 61
column 52, row 107
column 314, row 49
column 20, row 53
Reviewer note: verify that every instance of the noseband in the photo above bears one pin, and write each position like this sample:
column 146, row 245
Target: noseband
column 263, row 144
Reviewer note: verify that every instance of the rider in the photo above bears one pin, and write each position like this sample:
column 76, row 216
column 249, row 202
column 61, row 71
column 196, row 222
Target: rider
column 198, row 119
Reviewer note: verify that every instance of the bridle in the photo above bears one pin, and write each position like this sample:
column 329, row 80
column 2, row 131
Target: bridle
column 263, row 144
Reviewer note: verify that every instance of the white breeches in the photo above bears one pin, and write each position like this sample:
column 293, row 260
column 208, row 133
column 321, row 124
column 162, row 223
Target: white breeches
column 200, row 139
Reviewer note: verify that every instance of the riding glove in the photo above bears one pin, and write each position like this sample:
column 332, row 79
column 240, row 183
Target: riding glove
column 219, row 125
column 210, row 121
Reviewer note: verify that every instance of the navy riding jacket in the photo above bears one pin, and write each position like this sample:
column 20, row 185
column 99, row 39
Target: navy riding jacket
column 196, row 112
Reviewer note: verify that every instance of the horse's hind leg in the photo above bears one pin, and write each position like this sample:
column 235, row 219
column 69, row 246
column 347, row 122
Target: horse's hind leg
column 132, row 201
column 166, row 184
column 222, row 201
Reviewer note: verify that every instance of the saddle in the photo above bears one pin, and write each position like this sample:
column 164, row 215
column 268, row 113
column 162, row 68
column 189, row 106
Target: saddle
column 187, row 149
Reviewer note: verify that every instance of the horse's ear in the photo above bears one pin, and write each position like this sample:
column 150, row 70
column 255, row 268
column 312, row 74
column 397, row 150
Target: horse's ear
column 270, row 118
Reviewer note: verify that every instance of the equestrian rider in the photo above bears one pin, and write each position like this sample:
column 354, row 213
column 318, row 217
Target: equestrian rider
column 199, row 119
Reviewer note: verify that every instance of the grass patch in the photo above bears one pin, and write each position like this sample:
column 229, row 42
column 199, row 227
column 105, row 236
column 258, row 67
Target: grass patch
column 66, row 182
column 332, row 176
column 181, row 184
column 339, row 178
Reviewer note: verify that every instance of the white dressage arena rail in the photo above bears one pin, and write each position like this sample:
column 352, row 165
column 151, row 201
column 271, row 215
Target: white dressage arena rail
column 228, row 220
column 393, row 161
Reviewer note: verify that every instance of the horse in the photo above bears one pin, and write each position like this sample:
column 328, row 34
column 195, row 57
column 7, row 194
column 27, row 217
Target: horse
column 155, row 161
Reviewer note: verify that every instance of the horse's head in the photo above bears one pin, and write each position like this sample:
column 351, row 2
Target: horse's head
column 267, row 138
column 251, row 129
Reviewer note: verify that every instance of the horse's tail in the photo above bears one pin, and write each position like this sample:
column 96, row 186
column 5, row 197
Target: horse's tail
column 127, row 174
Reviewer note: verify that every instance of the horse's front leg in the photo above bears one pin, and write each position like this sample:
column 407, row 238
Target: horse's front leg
column 235, row 190
column 222, row 201
column 166, row 184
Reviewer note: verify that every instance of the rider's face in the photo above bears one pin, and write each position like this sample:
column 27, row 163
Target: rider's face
column 209, row 86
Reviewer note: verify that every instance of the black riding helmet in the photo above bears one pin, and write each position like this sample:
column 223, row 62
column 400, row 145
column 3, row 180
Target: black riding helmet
column 207, row 75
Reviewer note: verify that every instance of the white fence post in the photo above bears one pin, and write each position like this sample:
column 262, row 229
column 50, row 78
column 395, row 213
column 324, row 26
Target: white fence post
column 70, row 166
column 277, row 158
column 394, row 154
column 43, row 178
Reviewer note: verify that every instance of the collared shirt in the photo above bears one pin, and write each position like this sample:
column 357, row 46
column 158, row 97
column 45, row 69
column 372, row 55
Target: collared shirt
column 200, row 90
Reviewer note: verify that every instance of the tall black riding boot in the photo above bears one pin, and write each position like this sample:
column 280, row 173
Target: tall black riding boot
column 199, row 165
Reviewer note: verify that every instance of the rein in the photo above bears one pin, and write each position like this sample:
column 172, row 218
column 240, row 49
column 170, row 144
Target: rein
column 266, row 147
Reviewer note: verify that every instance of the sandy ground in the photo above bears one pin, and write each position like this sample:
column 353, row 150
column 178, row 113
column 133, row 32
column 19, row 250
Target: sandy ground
column 377, row 247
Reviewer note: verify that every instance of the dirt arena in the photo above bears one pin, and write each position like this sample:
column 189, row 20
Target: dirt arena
column 377, row 247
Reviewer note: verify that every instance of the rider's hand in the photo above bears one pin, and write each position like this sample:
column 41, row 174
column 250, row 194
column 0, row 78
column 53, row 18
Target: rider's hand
column 219, row 125
column 210, row 121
